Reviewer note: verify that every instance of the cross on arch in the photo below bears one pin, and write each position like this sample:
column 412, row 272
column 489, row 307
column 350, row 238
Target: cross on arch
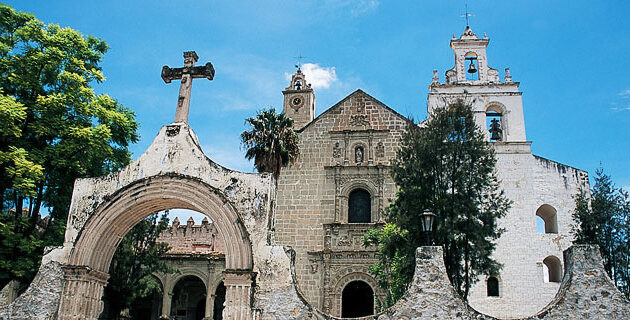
column 186, row 74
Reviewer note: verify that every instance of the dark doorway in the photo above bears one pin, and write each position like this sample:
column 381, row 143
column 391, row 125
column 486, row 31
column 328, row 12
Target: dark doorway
column 359, row 207
column 219, row 300
column 357, row 300
column 186, row 296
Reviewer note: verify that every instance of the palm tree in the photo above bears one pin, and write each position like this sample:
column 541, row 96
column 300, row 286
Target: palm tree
column 271, row 142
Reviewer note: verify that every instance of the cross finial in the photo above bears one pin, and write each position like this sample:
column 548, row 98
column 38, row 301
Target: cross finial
column 299, row 58
column 187, row 73
column 466, row 15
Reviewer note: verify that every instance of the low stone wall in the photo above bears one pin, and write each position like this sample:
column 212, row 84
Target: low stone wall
column 586, row 292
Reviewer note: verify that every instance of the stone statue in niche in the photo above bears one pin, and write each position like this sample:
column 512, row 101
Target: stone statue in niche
column 336, row 150
column 358, row 154
column 380, row 150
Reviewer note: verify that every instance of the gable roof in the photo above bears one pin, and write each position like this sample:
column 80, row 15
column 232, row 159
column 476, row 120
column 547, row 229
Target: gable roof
column 354, row 94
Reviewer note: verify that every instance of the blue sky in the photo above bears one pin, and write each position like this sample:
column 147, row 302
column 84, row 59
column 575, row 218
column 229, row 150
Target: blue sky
column 571, row 58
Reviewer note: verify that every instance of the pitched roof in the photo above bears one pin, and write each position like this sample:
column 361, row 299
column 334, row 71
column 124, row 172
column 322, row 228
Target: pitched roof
column 353, row 94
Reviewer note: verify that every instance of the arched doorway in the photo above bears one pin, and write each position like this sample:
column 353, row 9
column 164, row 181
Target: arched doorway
column 357, row 300
column 89, row 262
column 189, row 299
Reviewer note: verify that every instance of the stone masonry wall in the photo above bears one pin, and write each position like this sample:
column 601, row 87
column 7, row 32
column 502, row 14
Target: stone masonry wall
column 313, row 191
column 530, row 182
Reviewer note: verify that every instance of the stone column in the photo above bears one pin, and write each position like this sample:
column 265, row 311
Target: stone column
column 167, row 299
column 209, row 305
column 238, row 285
column 82, row 293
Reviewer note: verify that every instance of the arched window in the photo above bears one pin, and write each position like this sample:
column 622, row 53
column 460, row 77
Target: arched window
column 492, row 287
column 553, row 269
column 357, row 300
column 548, row 215
column 359, row 207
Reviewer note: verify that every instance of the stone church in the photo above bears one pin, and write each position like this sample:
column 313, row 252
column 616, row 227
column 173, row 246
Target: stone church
column 340, row 186
column 291, row 248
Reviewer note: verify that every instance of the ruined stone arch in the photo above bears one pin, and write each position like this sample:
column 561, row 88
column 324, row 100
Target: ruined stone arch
column 86, row 272
column 114, row 218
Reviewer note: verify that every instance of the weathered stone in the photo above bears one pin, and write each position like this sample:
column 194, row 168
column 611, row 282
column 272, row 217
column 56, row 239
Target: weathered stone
column 41, row 300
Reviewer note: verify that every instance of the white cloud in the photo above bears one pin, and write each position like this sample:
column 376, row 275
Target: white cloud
column 625, row 93
column 617, row 109
column 318, row 77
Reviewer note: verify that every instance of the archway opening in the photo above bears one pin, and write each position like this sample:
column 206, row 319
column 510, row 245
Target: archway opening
column 87, row 271
column 553, row 269
column 549, row 217
column 189, row 296
column 357, row 300
column 359, row 206
column 219, row 301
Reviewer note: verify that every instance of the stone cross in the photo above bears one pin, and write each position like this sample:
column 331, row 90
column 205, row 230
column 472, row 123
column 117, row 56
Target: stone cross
column 187, row 73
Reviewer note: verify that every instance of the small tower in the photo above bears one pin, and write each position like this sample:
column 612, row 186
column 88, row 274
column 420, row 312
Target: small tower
column 299, row 100
column 497, row 104
column 471, row 63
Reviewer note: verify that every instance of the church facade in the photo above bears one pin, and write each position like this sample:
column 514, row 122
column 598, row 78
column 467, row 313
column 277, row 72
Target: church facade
column 340, row 186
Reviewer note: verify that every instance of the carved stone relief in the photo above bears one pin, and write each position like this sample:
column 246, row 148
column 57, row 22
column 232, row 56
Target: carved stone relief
column 336, row 150
column 359, row 120
column 380, row 150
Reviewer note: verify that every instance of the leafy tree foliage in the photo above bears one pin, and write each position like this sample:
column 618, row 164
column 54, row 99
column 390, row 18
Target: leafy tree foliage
column 446, row 166
column 53, row 130
column 136, row 258
column 271, row 141
column 603, row 218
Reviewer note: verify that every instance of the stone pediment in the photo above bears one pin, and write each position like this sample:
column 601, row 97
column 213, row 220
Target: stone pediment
column 359, row 112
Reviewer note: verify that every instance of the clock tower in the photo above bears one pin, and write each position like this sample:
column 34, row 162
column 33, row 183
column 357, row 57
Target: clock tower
column 299, row 100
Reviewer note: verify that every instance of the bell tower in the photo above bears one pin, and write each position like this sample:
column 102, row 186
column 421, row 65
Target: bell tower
column 299, row 100
column 497, row 105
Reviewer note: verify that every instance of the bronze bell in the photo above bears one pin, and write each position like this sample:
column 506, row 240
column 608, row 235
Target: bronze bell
column 495, row 130
column 472, row 68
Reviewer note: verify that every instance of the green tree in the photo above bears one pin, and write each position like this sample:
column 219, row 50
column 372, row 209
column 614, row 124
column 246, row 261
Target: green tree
column 53, row 130
column 446, row 166
column 271, row 141
column 138, row 255
column 603, row 218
